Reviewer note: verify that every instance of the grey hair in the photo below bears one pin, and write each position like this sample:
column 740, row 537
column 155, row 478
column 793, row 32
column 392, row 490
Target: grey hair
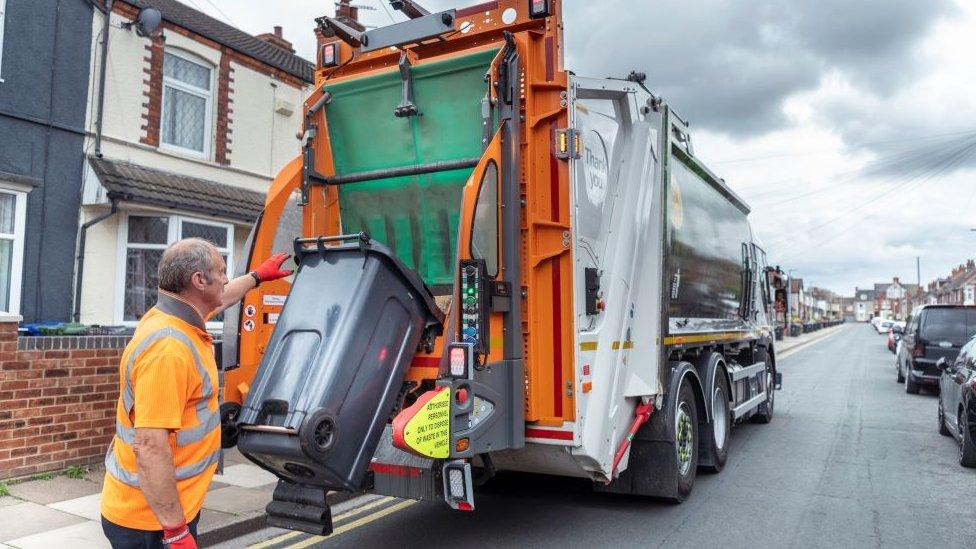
column 181, row 260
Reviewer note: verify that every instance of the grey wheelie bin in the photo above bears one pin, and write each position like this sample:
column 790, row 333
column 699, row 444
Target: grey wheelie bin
column 335, row 363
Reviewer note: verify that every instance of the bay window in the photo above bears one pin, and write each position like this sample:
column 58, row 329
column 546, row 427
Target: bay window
column 144, row 238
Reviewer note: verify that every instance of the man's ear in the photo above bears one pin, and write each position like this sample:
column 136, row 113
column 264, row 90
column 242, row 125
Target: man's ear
column 199, row 280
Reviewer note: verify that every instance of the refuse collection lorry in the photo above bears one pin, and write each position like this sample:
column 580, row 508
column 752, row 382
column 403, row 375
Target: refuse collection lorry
column 502, row 266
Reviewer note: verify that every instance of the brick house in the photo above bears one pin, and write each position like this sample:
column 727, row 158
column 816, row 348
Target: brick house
column 959, row 288
column 895, row 300
column 199, row 117
column 863, row 304
column 797, row 299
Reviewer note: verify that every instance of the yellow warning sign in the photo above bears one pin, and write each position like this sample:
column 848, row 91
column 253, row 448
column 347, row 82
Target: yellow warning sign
column 428, row 432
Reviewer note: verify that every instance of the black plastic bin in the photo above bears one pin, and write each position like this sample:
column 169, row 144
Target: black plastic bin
column 335, row 363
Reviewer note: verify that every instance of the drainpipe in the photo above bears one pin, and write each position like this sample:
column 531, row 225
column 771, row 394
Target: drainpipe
column 101, row 81
column 81, row 252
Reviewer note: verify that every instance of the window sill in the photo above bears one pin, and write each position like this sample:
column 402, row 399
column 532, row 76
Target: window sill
column 185, row 154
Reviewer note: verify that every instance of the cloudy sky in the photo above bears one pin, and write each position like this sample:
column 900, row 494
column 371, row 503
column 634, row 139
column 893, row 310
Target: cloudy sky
column 849, row 126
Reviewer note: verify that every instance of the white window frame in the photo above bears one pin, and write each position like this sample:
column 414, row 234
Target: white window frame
column 174, row 233
column 207, row 95
column 3, row 12
column 17, row 254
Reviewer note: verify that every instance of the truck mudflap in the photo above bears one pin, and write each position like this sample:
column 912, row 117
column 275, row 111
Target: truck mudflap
column 330, row 377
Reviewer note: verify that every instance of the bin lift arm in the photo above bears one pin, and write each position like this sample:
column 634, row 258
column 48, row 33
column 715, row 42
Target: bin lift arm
column 345, row 33
column 409, row 8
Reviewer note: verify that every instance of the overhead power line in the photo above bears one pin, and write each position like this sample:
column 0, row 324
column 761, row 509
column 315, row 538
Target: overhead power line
column 221, row 12
column 855, row 145
column 942, row 166
column 906, row 161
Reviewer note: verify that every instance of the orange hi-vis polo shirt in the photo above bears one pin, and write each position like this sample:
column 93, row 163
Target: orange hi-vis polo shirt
column 168, row 378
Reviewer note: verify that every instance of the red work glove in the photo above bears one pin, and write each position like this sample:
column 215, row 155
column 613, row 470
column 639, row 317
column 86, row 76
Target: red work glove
column 179, row 537
column 271, row 268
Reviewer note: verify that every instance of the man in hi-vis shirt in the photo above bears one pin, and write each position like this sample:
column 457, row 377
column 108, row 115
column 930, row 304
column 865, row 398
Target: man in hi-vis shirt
column 167, row 431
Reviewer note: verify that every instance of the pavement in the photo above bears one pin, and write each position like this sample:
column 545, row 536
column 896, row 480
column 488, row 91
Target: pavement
column 849, row 460
column 63, row 511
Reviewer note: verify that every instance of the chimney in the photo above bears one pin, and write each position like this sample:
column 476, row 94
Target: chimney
column 277, row 39
column 349, row 14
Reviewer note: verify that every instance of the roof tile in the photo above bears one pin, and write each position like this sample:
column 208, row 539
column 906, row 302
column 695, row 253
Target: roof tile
column 232, row 37
column 132, row 182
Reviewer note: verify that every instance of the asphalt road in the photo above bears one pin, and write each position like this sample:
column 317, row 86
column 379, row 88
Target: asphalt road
column 850, row 460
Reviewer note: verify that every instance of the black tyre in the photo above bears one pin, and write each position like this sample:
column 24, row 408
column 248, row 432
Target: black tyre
column 228, row 424
column 715, row 435
column 764, row 413
column 943, row 430
column 967, row 446
column 912, row 387
column 685, row 432
column 901, row 378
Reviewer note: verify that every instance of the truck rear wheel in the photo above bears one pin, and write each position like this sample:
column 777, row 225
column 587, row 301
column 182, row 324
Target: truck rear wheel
column 685, row 441
column 715, row 441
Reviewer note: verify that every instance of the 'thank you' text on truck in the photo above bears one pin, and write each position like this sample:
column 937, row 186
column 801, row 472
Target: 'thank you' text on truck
column 502, row 266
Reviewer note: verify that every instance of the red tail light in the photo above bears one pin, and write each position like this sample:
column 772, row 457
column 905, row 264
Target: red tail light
column 919, row 350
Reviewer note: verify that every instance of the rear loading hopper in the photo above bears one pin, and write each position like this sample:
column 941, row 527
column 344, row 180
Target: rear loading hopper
column 336, row 362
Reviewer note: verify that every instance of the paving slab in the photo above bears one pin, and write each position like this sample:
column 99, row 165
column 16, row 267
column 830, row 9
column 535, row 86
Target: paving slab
column 212, row 520
column 214, row 485
column 8, row 500
column 86, row 535
column 96, row 476
column 27, row 518
column 88, row 507
column 245, row 476
column 58, row 488
column 237, row 500
column 232, row 456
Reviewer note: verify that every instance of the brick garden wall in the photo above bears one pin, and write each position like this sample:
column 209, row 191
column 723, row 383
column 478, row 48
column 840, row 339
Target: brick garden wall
column 57, row 400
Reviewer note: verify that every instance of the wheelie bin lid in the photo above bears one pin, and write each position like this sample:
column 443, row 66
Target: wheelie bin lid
column 307, row 247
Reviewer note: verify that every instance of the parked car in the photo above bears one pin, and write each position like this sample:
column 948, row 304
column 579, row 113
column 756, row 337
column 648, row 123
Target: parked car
column 957, row 401
column 933, row 332
column 884, row 325
column 894, row 335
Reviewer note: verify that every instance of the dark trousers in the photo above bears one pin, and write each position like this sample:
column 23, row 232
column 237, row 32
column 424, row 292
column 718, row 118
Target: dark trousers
column 129, row 538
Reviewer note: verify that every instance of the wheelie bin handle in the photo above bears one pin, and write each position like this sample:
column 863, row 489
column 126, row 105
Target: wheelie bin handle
column 365, row 241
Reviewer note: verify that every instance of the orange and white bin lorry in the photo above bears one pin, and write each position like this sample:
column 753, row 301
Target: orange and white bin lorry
column 502, row 266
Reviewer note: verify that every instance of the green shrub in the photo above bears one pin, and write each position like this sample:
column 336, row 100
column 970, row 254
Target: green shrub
column 76, row 471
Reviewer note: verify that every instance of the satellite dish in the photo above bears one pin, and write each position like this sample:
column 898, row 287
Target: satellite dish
column 148, row 21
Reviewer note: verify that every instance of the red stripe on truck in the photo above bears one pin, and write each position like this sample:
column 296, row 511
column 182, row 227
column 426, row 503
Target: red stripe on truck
column 545, row 433
column 394, row 470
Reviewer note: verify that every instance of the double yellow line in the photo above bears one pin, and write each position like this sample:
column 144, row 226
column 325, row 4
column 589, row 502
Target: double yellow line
column 352, row 525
